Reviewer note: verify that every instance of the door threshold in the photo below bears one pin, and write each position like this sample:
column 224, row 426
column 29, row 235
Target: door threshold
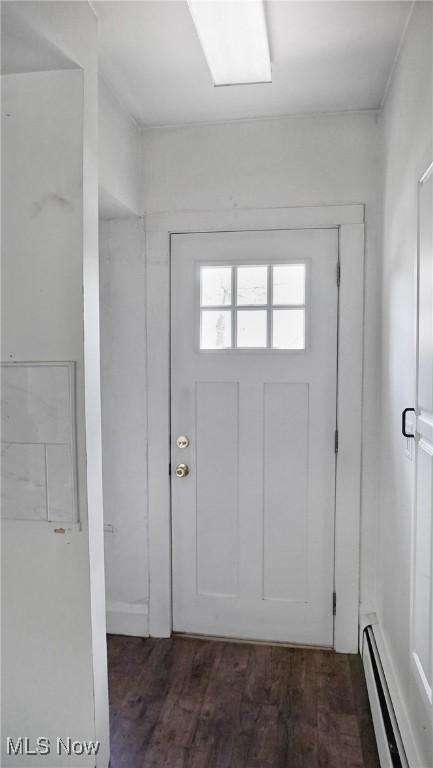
column 243, row 641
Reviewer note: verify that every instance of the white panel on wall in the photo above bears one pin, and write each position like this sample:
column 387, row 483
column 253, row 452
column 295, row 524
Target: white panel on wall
column 23, row 491
column 425, row 331
column 217, row 482
column 38, row 442
column 36, row 403
column 286, row 501
column 422, row 608
column 60, row 482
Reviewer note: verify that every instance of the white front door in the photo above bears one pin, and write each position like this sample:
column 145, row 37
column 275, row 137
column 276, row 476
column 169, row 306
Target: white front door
column 422, row 551
column 254, row 382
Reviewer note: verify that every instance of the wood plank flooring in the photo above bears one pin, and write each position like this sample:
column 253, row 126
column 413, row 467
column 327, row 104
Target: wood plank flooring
column 188, row 703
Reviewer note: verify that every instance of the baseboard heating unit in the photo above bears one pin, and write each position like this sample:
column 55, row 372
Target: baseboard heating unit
column 389, row 742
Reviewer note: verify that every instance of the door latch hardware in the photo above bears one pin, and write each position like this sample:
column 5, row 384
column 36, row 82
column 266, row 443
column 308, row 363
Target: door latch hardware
column 403, row 422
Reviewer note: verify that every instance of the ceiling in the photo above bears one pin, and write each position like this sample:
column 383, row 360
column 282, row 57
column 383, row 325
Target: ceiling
column 23, row 49
column 326, row 57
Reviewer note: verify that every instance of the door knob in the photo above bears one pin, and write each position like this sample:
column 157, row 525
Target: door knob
column 182, row 470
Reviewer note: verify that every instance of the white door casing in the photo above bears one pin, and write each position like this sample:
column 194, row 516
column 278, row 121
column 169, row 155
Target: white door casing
column 253, row 522
column 349, row 219
column 422, row 545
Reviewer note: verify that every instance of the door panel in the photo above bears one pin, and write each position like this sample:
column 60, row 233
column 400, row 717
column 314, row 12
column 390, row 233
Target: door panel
column 285, row 531
column 217, row 474
column 254, row 360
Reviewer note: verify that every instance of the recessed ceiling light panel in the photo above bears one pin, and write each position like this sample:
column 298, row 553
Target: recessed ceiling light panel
column 234, row 39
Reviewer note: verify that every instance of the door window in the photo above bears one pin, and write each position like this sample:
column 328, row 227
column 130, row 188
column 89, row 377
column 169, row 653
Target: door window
column 257, row 306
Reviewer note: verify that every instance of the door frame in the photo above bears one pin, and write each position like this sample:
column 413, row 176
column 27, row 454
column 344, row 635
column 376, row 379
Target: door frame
column 349, row 221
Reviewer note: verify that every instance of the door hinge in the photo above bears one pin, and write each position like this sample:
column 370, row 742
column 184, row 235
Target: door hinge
column 336, row 441
column 338, row 273
column 169, row 469
column 334, row 603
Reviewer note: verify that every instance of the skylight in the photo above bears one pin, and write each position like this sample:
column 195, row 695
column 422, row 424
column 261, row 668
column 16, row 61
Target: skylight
column 234, row 39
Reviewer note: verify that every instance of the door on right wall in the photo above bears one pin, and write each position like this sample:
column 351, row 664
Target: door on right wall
column 422, row 613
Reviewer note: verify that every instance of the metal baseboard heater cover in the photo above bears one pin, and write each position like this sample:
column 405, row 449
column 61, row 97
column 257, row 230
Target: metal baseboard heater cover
column 388, row 738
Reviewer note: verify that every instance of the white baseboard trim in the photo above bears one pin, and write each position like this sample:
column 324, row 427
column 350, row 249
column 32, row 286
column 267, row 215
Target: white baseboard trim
column 376, row 709
column 397, row 700
column 127, row 619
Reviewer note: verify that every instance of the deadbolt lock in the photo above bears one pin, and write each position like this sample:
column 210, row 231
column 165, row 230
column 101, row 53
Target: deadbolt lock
column 182, row 470
column 182, row 441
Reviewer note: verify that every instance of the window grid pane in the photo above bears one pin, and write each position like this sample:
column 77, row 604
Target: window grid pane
column 252, row 328
column 288, row 284
column 215, row 329
column 288, row 328
column 215, row 286
column 252, row 285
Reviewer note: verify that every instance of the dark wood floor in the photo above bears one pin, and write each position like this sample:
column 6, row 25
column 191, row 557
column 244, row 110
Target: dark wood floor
column 187, row 703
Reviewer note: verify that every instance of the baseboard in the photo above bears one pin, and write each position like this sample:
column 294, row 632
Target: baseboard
column 386, row 703
column 413, row 757
column 127, row 619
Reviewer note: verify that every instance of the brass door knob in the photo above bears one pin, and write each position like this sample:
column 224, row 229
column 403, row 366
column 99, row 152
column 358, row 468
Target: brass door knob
column 182, row 470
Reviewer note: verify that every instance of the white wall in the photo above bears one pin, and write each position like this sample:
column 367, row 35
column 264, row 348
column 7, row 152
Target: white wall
column 311, row 160
column 406, row 126
column 120, row 183
column 123, row 380
column 42, row 253
column 123, row 367
column 54, row 612
column 270, row 163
